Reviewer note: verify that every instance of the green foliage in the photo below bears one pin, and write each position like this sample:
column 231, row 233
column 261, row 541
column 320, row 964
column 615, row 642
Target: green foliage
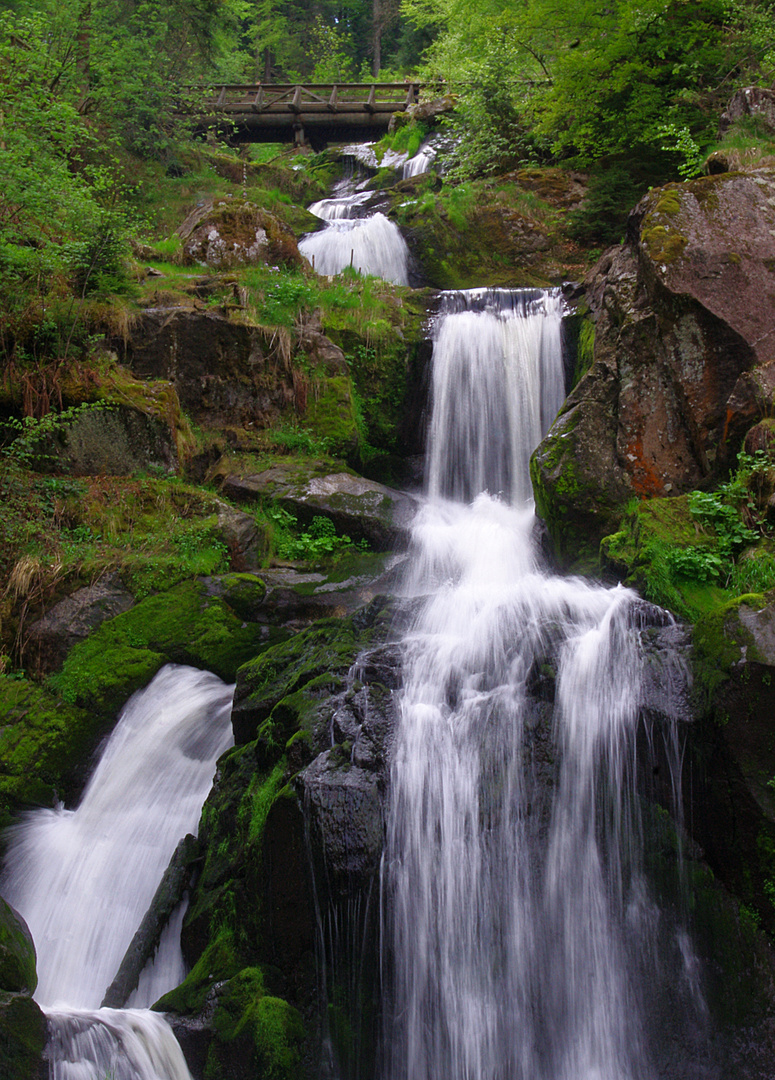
column 22, row 439
column 318, row 541
column 611, row 194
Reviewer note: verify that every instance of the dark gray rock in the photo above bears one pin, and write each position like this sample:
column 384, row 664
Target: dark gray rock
column 224, row 372
column 146, row 939
column 248, row 543
column 73, row 619
column 361, row 509
column 115, row 441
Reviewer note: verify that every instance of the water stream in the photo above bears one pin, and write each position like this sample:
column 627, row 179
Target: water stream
column 84, row 878
column 368, row 242
column 520, row 931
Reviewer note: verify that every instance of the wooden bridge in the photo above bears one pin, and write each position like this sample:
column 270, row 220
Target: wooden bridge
column 316, row 112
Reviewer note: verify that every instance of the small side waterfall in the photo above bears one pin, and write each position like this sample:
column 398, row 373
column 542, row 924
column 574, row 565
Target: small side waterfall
column 371, row 243
column 519, row 928
column 83, row 878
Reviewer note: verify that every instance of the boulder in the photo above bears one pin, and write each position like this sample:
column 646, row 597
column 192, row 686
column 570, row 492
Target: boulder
column 247, row 541
column 226, row 234
column 115, row 441
column 17, row 952
column 225, row 373
column 359, row 508
column 73, row 619
column 733, row 759
column 23, row 1034
column 684, row 357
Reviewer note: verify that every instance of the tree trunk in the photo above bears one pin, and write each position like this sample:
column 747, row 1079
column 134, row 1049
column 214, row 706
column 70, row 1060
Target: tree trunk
column 376, row 36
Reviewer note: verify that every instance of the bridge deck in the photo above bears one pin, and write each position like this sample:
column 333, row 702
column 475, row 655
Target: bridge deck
column 279, row 111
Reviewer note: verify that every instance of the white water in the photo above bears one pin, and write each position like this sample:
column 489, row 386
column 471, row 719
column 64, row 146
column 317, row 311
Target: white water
column 421, row 162
column 370, row 244
column 518, row 923
column 84, row 878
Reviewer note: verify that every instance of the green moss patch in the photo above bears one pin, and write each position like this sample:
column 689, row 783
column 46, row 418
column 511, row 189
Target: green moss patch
column 183, row 625
column 42, row 741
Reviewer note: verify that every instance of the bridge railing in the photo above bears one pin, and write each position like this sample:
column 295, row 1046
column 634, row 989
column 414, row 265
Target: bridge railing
column 310, row 99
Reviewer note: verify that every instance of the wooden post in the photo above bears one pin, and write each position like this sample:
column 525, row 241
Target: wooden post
column 369, row 106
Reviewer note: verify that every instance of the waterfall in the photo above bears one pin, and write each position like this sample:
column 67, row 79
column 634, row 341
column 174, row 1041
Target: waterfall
column 84, row 878
column 371, row 244
column 420, row 163
column 519, row 929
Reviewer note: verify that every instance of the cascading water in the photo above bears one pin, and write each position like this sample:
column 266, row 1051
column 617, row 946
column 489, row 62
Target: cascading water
column 84, row 878
column 371, row 243
column 518, row 926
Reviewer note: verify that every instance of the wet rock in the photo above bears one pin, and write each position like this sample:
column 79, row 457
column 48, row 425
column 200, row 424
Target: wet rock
column 22, row 1038
column 17, row 952
column 733, row 752
column 361, row 509
column 145, row 941
column 73, row 619
column 684, row 357
column 345, row 810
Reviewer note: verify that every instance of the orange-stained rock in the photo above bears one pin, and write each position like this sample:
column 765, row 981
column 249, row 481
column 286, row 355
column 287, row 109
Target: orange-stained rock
column 684, row 315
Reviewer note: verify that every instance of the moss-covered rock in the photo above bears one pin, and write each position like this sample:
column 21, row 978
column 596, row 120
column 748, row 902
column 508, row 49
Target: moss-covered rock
column 254, row 905
column 576, row 482
column 497, row 233
column 22, row 1038
column 44, row 743
column 682, row 356
column 661, row 550
column 256, row 1034
column 733, row 748
column 183, row 625
column 17, row 952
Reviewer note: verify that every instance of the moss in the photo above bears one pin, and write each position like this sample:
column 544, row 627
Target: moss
column 244, row 594
column 669, row 202
column 265, row 1029
column 219, row 961
column 643, row 554
column 585, row 354
column 17, row 953
column 569, row 501
column 42, row 741
column 259, row 798
column 23, row 1037
column 327, row 650
column 664, row 245
column 332, row 417
column 721, row 641
column 183, row 625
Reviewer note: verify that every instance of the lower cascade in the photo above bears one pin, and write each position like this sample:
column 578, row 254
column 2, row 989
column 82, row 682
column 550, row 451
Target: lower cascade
column 520, row 932
column 83, row 879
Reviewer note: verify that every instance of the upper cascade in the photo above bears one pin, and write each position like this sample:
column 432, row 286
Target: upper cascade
column 498, row 381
